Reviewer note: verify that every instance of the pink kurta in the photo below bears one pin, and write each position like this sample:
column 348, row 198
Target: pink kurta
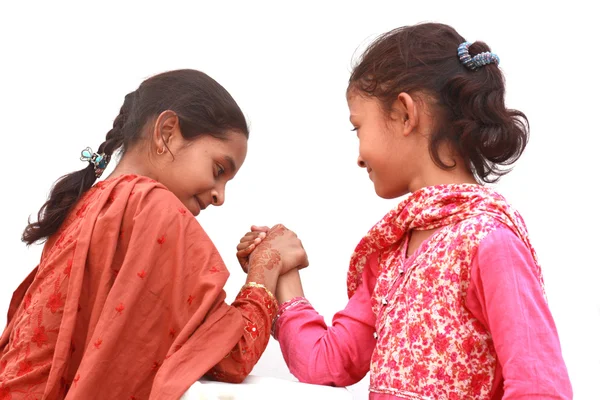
column 504, row 295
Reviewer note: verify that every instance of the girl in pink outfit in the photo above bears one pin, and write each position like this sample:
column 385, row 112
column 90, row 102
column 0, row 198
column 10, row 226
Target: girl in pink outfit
column 446, row 296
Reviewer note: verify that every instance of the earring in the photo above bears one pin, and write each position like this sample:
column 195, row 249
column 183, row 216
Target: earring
column 160, row 152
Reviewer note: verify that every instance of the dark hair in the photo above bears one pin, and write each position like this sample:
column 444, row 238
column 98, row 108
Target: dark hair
column 471, row 116
column 202, row 105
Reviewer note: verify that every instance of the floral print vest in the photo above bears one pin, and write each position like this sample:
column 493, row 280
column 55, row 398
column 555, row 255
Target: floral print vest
column 429, row 346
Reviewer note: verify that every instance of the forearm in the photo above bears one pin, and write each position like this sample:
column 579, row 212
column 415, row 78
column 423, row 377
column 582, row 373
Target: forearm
column 338, row 355
column 289, row 286
column 258, row 309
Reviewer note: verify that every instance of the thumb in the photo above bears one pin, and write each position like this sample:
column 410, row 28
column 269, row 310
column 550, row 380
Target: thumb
column 255, row 228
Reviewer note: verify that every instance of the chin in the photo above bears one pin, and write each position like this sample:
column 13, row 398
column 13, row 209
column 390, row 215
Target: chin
column 390, row 193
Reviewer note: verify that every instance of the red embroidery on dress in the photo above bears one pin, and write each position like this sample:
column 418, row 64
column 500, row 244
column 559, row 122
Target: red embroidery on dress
column 67, row 270
column 182, row 210
column 39, row 336
column 81, row 212
column 54, row 302
column 213, row 270
column 24, row 367
column 76, row 379
column 60, row 239
column 161, row 240
column 98, row 343
column 27, row 301
column 3, row 366
column 190, row 299
column 142, row 274
column 172, row 332
column 252, row 329
column 5, row 393
column 111, row 198
column 119, row 309
column 156, row 365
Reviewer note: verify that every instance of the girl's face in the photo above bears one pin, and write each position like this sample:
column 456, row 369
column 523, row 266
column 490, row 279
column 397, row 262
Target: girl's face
column 389, row 147
column 197, row 170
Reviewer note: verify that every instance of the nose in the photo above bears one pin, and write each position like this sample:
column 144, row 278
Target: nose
column 218, row 197
column 361, row 163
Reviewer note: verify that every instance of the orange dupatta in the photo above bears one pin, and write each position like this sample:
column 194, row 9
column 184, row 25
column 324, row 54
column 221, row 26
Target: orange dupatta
column 126, row 303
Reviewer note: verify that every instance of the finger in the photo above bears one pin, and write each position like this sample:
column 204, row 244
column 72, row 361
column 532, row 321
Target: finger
column 258, row 234
column 255, row 237
column 256, row 241
column 247, row 246
column 255, row 228
column 249, row 236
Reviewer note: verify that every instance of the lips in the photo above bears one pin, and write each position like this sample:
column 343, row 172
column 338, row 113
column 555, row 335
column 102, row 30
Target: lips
column 200, row 203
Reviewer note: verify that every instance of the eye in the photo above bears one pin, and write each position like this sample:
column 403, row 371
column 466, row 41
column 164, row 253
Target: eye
column 220, row 170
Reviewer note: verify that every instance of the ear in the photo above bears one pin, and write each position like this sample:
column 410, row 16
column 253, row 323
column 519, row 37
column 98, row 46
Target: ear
column 407, row 113
column 166, row 130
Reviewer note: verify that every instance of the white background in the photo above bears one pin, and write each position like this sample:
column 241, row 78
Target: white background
column 65, row 68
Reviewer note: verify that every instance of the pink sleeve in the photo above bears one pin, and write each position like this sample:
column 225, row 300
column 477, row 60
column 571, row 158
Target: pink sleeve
column 338, row 355
column 506, row 296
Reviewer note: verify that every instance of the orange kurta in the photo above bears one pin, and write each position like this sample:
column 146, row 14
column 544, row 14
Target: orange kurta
column 128, row 303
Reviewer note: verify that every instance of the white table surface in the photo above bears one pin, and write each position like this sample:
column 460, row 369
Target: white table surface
column 263, row 388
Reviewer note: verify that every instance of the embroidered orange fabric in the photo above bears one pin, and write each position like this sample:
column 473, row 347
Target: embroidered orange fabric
column 128, row 303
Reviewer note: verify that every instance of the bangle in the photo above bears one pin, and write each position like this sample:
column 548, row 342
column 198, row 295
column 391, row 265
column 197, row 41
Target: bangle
column 283, row 308
column 260, row 286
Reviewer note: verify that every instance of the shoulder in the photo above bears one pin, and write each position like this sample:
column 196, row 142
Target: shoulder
column 148, row 202
column 503, row 256
column 147, row 196
column 500, row 242
column 148, row 193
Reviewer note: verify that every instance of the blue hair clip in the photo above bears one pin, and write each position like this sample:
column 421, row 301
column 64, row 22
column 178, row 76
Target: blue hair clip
column 100, row 161
column 478, row 61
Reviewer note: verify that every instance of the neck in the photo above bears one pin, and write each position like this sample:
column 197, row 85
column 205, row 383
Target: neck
column 133, row 162
column 433, row 175
column 442, row 178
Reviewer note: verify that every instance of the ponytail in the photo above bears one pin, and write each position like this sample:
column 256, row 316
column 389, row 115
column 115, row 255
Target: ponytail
column 67, row 191
column 486, row 133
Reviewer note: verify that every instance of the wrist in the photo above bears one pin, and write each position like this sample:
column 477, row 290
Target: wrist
column 289, row 286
